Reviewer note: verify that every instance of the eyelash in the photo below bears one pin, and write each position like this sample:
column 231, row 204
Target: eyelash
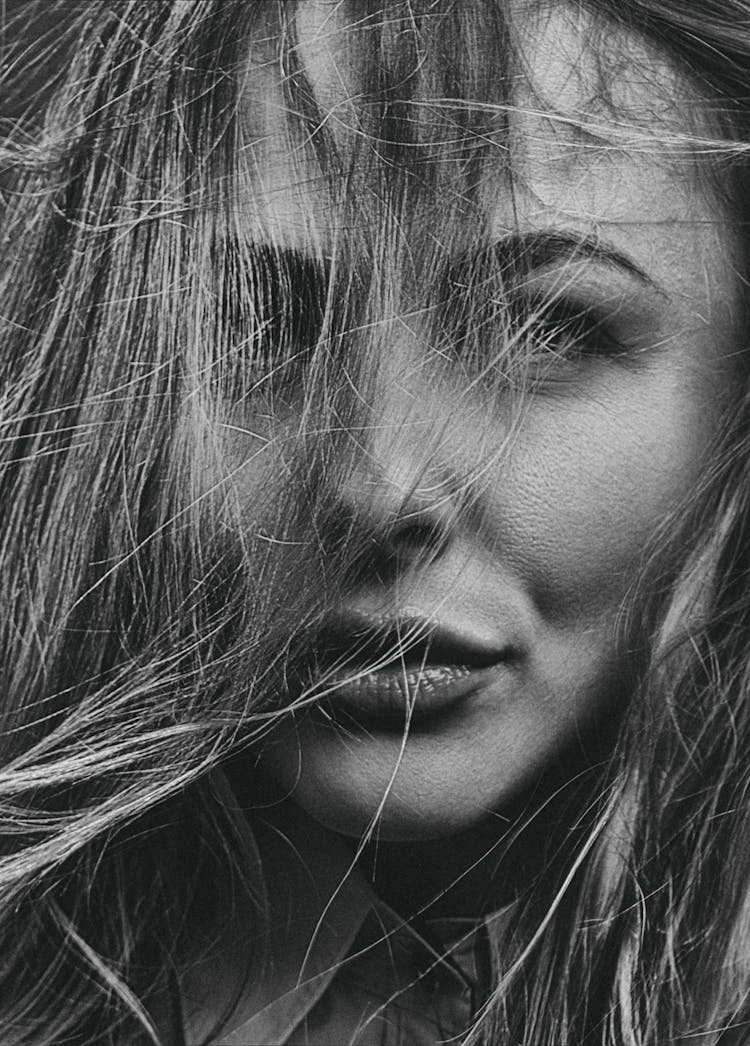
column 571, row 330
column 273, row 311
column 561, row 331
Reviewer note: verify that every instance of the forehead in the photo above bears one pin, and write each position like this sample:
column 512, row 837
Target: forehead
column 602, row 119
column 581, row 104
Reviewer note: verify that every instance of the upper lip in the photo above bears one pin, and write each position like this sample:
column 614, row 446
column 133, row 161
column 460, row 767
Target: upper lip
column 379, row 642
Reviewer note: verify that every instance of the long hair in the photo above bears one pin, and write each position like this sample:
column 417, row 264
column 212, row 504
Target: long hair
column 153, row 619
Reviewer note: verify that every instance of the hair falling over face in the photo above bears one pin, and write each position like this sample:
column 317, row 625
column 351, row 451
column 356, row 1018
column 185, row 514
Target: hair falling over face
column 374, row 432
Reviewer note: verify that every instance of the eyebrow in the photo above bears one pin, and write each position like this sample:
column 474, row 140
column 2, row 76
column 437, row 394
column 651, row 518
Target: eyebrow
column 535, row 250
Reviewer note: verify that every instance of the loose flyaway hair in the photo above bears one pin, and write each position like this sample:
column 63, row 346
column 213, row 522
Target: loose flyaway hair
column 157, row 624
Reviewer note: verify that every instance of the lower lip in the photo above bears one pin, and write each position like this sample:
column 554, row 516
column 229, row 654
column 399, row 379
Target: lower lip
column 403, row 694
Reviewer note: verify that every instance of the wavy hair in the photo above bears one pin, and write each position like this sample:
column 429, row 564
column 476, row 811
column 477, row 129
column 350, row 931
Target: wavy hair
column 153, row 619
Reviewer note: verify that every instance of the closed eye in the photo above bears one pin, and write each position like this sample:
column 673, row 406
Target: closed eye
column 569, row 329
column 499, row 307
column 272, row 305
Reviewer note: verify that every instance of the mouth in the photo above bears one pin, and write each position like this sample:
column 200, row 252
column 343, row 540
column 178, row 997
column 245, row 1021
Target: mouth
column 387, row 673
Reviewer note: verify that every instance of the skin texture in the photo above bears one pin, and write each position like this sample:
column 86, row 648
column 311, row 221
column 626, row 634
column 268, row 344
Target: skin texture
column 575, row 484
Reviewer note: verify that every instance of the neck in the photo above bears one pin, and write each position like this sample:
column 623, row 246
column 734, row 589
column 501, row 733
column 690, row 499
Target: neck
column 489, row 865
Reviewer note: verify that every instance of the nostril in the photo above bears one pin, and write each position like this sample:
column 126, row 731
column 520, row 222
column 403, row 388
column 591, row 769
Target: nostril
column 386, row 549
column 414, row 539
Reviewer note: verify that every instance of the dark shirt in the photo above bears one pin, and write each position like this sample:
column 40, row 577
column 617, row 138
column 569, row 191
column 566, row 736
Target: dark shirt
column 342, row 966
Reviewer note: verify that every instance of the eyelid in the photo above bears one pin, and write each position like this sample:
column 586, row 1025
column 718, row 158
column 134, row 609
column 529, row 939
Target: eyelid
column 272, row 313
column 588, row 331
column 277, row 283
column 605, row 311
column 537, row 251
column 617, row 299
column 586, row 281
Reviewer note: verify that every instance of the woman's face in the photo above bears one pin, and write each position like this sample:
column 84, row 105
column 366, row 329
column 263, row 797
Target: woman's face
column 524, row 590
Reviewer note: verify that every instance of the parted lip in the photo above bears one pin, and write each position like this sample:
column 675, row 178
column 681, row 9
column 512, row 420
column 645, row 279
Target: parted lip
column 383, row 670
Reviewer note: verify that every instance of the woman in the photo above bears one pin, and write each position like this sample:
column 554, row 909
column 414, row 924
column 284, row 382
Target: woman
column 374, row 475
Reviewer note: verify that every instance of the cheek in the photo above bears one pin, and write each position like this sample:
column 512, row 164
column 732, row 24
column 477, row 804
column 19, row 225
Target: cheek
column 257, row 456
column 587, row 485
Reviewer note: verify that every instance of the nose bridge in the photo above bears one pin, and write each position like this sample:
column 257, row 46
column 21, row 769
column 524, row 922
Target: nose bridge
column 402, row 463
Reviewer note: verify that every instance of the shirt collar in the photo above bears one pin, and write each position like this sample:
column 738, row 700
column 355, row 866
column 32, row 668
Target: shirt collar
column 316, row 906
column 318, row 902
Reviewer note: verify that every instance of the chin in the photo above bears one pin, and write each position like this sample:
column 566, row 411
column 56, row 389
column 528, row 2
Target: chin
column 414, row 806
column 392, row 821
column 438, row 783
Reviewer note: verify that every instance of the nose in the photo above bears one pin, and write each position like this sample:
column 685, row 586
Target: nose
column 400, row 478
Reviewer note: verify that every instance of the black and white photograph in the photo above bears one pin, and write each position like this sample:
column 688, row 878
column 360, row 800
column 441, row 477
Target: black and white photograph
column 374, row 523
